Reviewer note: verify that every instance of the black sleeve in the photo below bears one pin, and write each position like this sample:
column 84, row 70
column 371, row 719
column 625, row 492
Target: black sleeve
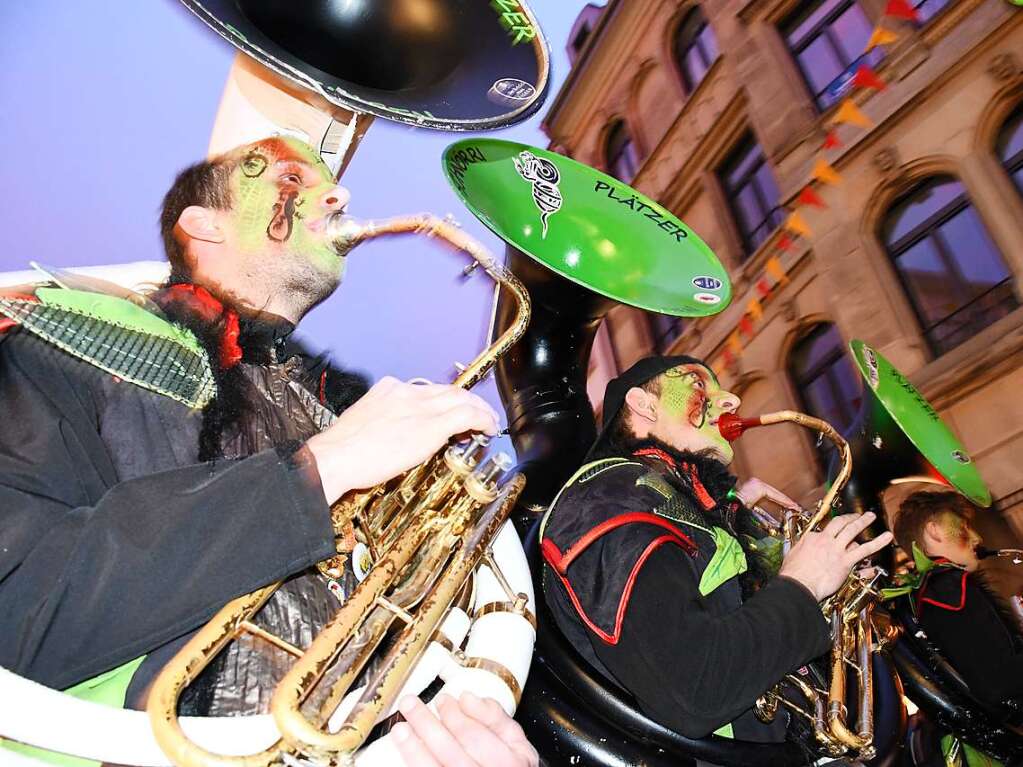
column 94, row 572
column 975, row 638
column 694, row 671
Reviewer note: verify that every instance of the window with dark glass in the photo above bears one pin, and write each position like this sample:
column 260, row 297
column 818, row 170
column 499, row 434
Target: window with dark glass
column 695, row 48
column 752, row 193
column 665, row 329
column 621, row 155
column 1010, row 146
column 827, row 37
column 828, row 385
column 928, row 9
column 953, row 273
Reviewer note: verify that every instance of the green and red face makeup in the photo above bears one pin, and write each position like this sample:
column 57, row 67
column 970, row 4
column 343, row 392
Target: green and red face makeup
column 279, row 187
column 690, row 399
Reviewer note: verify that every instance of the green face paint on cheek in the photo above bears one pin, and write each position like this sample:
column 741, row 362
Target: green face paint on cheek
column 682, row 399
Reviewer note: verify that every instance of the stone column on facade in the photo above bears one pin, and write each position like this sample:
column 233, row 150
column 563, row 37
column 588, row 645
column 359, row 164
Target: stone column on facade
column 999, row 206
column 779, row 106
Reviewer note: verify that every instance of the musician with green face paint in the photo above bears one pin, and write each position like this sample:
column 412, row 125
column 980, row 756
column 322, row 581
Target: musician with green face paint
column 660, row 576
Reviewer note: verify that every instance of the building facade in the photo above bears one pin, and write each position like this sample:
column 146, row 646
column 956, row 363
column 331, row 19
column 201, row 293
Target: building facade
column 718, row 111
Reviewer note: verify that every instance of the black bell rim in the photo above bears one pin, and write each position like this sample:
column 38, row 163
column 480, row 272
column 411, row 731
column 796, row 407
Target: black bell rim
column 462, row 65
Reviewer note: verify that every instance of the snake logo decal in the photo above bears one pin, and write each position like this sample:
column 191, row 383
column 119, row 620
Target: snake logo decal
column 544, row 176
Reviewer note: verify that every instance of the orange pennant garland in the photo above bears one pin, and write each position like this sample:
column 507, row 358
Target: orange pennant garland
column 809, row 197
column 795, row 224
column 755, row 308
column 822, row 171
column 848, row 112
column 880, row 36
column 734, row 343
column 776, row 270
column 900, row 9
column 866, row 77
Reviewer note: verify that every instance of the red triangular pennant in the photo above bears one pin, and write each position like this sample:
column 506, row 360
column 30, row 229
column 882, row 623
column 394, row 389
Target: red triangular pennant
column 831, row 140
column 763, row 288
column 809, row 197
column 901, row 9
column 785, row 242
column 746, row 325
column 866, row 77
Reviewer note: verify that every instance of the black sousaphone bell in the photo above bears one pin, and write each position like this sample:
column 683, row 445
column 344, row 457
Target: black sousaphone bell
column 447, row 64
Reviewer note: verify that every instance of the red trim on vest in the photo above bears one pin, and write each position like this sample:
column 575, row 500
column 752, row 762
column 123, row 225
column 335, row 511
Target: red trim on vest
column 559, row 562
column 943, row 605
column 323, row 388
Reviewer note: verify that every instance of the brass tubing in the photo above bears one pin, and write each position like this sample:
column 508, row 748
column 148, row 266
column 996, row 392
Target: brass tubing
column 381, row 691
column 168, row 685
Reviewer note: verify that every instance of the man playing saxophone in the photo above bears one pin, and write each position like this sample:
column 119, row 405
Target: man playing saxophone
column 131, row 510
column 658, row 574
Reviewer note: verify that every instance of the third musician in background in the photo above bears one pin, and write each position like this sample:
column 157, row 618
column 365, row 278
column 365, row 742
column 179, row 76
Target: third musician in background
column 659, row 575
column 960, row 612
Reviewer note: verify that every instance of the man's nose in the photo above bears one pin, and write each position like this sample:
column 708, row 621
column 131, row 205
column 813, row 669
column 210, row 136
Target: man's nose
column 336, row 198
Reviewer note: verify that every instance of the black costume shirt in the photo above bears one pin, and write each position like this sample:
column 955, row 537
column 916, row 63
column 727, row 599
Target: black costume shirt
column 631, row 601
column 974, row 630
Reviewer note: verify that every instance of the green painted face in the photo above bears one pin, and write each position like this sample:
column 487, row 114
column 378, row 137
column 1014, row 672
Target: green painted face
column 691, row 401
column 283, row 195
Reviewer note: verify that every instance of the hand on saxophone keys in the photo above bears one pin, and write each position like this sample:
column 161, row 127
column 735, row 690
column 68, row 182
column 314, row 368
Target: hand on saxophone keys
column 394, row 427
column 821, row 561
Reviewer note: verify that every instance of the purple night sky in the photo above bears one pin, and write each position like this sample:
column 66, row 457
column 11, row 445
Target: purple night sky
column 106, row 101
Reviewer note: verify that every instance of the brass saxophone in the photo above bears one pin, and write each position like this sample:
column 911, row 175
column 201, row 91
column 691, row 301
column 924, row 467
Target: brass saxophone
column 849, row 611
column 427, row 531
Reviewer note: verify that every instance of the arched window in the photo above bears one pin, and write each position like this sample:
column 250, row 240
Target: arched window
column 827, row 37
column 928, row 9
column 620, row 153
column 752, row 193
column 827, row 383
column 824, row 376
column 954, row 275
column 695, row 48
column 1010, row 146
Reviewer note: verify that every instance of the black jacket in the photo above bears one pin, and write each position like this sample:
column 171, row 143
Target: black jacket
column 974, row 630
column 631, row 604
column 114, row 540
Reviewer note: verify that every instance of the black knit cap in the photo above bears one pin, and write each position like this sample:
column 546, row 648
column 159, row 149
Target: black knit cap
column 644, row 370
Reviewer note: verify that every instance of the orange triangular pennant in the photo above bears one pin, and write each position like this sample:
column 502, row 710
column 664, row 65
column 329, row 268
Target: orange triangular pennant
column 795, row 224
column 755, row 308
column 880, row 36
column 848, row 112
column 822, row 171
column 734, row 343
column 776, row 270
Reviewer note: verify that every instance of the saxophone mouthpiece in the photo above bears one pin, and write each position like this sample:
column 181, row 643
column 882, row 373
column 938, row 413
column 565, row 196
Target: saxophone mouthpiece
column 732, row 426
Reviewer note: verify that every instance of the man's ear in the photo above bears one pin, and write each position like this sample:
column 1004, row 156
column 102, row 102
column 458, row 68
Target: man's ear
column 933, row 532
column 641, row 403
column 201, row 223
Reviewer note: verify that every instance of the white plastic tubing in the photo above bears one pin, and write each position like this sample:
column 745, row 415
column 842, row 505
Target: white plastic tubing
column 33, row 714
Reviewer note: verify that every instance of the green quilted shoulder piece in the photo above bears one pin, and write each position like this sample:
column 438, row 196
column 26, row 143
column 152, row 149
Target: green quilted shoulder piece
column 119, row 337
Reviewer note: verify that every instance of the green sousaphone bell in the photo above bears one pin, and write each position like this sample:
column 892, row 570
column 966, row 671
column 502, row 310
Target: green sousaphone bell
column 581, row 241
column 898, row 437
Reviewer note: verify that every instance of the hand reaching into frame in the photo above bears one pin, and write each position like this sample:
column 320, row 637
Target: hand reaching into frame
column 469, row 732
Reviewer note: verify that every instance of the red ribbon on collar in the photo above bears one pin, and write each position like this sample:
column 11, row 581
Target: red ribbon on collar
column 701, row 492
column 201, row 301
